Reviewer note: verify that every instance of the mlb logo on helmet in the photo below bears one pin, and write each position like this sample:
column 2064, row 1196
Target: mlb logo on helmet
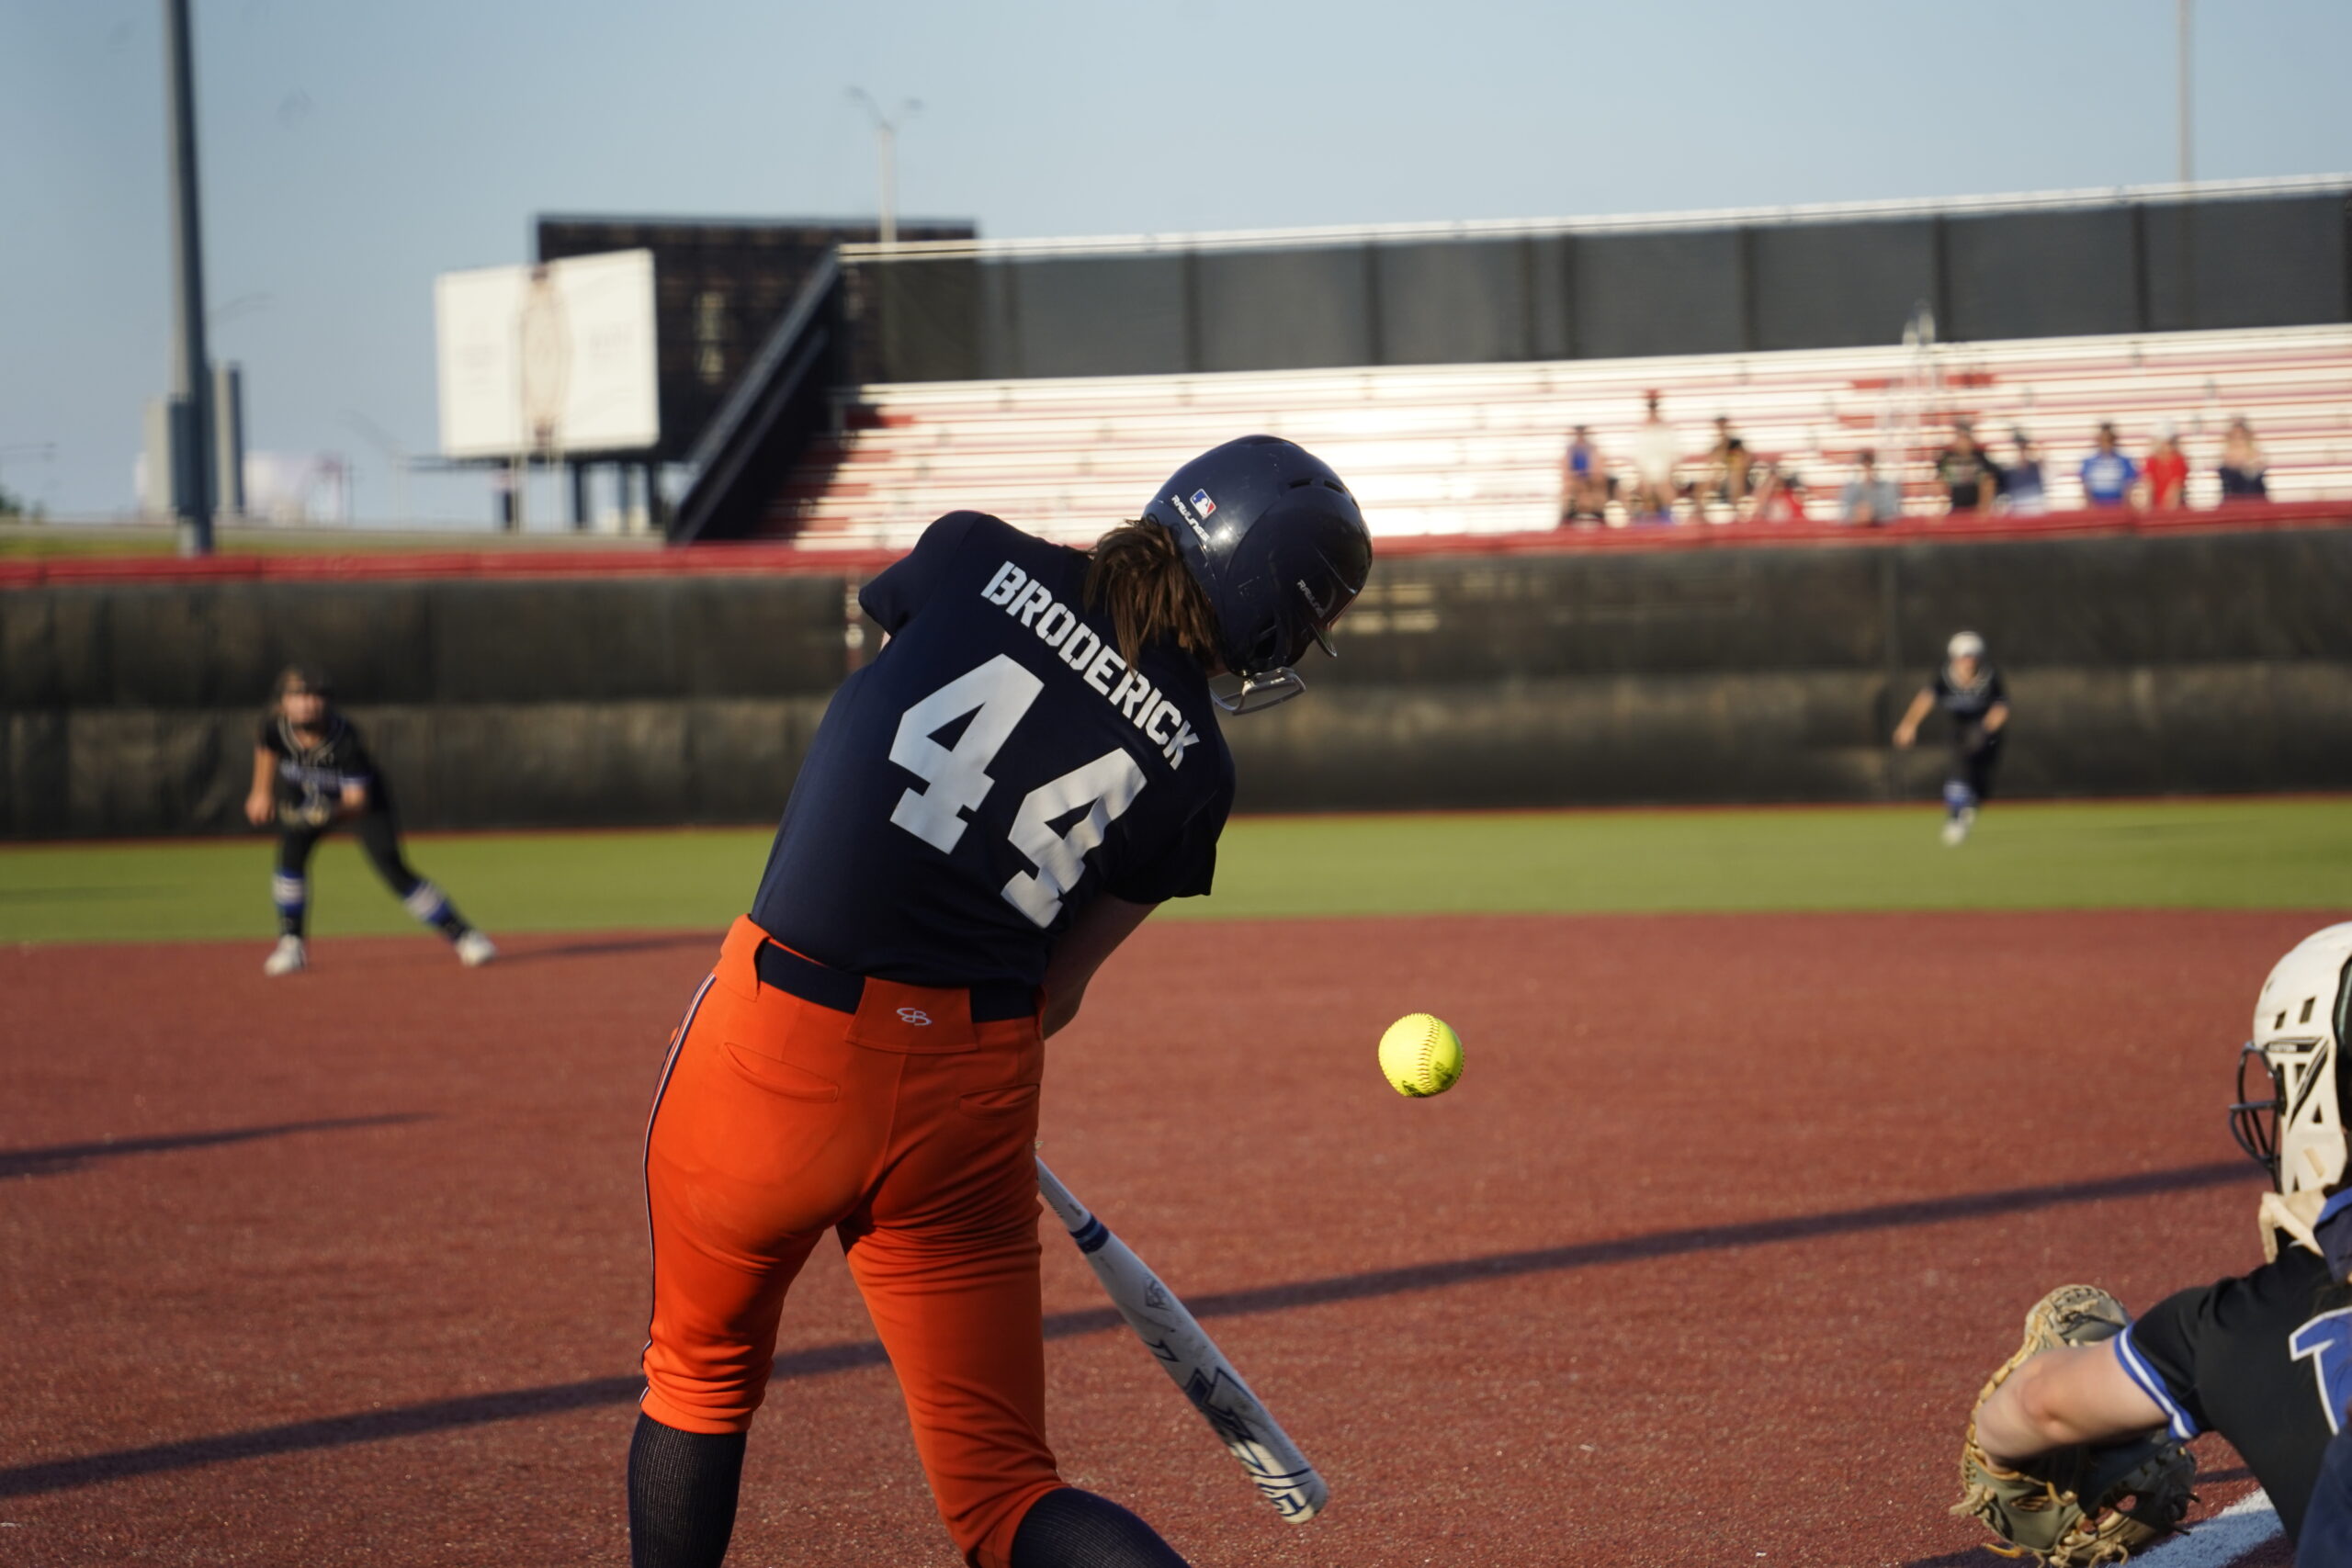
column 1203, row 504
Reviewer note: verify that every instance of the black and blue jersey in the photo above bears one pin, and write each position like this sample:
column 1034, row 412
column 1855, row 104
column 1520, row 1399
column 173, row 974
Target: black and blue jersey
column 1967, row 704
column 2264, row 1359
column 313, row 773
column 996, row 766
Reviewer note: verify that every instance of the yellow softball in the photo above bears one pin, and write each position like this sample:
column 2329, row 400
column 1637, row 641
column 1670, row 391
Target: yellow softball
column 1420, row 1056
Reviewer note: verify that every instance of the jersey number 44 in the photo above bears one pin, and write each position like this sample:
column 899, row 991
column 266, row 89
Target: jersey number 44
column 955, row 779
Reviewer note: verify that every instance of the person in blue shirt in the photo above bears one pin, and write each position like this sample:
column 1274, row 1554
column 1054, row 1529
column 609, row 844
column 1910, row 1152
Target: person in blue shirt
column 2109, row 473
column 1585, row 484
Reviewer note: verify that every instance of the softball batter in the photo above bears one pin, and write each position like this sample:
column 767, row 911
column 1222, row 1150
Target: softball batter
column 311, row 771
column 988, row 810
column 1970, row 691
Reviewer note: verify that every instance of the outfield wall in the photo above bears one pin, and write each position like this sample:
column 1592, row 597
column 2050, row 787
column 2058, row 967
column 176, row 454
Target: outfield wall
column 2139, row 666
column 131, row 708
column 2186, row 662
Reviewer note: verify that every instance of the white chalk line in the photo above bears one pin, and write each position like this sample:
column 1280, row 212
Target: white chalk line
column 2229, row 1535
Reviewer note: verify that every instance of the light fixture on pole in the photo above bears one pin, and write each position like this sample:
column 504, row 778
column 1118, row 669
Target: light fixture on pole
column 885, row 140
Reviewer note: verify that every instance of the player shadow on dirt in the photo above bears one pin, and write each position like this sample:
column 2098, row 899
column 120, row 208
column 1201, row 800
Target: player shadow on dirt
column 475, row 1410
column 60, row 1159
column 1710, row 1238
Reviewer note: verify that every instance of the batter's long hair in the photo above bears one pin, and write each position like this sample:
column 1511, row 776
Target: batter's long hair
column 1137, row 574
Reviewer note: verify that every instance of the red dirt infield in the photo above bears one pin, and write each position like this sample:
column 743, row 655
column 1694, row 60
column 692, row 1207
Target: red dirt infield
column 1701, row 1263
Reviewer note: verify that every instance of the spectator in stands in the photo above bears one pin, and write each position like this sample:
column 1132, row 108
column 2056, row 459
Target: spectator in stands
column 1779, row 494
column 1726, row 478
column 2166, row 472
column 1868, row 498
column 2107, row 474
column 2021, row 487
column 1585, row 485
column 2242, row 464
column 1966, row 471
column 1656, row 452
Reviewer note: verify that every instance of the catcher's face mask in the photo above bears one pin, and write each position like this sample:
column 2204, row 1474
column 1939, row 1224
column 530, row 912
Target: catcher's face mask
column 2288, row 1115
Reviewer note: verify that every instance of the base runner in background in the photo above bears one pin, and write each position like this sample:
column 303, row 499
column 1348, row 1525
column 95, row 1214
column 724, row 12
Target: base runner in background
column 991, row 805
column 310, row 770
column 1970, row 691
column 2265, row 1358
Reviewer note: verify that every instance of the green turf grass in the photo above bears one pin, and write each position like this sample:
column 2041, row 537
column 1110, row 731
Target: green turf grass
column 2162, row 854
column 18, row 543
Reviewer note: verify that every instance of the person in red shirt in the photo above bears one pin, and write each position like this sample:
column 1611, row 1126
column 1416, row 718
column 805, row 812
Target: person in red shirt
column 1780, row 494
column 2166, row 473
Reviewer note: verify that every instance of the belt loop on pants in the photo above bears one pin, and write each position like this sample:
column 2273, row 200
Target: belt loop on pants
column 992, row 1000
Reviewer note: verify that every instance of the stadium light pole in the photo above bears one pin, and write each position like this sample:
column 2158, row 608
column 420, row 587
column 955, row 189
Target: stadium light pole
column 191, row 371
column 2182, row 20
column 886, row 142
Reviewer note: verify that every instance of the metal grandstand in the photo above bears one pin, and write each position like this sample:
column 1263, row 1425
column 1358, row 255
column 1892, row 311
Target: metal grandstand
column 1440, row 364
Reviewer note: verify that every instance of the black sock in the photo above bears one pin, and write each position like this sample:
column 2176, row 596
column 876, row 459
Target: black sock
column 682, row 1488
column 1070, row 1528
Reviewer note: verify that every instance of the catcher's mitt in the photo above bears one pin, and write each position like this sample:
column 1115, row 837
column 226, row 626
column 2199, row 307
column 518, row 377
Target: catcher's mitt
column 2078, row 1507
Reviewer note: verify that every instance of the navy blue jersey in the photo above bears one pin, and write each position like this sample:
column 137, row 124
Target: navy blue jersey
column 1968, row 704
column 2264, row 1360
column 996, row 767
column 315, row 773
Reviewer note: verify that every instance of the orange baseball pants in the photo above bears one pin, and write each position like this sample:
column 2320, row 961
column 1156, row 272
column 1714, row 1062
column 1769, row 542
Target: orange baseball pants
column 778, row 1119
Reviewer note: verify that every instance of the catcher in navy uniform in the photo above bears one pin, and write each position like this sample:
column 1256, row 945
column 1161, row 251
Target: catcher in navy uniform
column 2074, row 1453
column 1970, row 690
column 311, row 771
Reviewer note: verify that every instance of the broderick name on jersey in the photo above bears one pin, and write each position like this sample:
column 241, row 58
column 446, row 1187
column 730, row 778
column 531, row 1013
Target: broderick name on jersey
column 1095, row 661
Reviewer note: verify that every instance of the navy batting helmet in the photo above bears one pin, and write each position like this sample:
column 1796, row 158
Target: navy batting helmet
column 1280, row 547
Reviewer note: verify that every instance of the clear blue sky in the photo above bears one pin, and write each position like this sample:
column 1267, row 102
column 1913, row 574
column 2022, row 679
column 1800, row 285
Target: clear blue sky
column 352, row 151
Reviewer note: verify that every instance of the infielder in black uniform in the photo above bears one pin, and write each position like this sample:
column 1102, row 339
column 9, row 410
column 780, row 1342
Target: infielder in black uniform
column 2265, row 1358
column 1970, row 690
column 310, row 770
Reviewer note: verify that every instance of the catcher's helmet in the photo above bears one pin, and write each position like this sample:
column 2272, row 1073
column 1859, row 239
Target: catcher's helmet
column 1280, row 547
column 2296, row 1132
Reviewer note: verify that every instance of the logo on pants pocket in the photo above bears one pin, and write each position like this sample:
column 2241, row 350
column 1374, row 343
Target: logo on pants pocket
column 915, row 1016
